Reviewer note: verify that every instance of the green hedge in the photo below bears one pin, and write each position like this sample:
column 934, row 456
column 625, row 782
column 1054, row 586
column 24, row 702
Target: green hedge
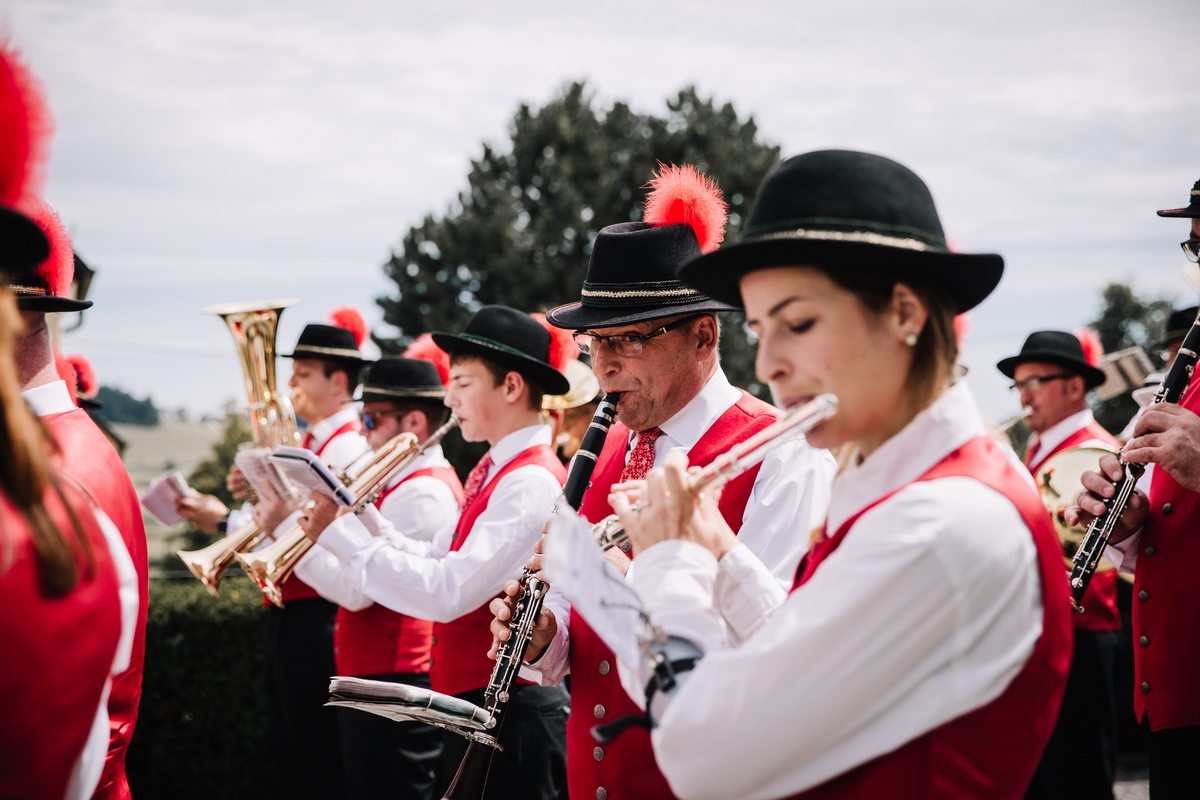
column 201, row 729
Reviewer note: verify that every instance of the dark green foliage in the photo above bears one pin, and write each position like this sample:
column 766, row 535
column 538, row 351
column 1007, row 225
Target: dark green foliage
column 209, row 478
column 201, row 730
column 120, row 406
column 521, row 233
column 1127, row 320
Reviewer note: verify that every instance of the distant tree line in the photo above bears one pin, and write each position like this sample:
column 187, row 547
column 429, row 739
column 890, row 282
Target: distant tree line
column 120, row 406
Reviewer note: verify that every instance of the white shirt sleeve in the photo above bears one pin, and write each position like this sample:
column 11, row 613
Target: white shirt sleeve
column 917, row 618
column 443, row 589
column 790, row 498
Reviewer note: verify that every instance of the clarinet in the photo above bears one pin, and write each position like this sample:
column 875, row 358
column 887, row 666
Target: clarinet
column 471, row 778
column 1087, row 557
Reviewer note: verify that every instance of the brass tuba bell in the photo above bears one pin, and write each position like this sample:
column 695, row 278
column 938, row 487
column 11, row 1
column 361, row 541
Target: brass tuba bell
column 1058, row 482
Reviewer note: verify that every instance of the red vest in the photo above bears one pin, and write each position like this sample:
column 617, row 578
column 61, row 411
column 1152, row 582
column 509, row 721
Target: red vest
column 460, row 647
column 1166, row 604
column 377, row 640
column 1100, row 600
column 626, row 768
column 992, row 751
column 57, row 654
column 293, row 588
column 88, row 457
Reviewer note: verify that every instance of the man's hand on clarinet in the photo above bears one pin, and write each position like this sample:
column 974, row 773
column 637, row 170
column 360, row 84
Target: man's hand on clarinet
column 1168, row 435
column 1099, row 486
column 544, row 628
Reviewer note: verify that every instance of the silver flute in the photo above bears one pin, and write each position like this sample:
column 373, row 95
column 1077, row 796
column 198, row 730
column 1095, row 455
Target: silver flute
column 609, row 532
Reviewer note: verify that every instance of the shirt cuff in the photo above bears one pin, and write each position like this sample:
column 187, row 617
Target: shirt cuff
column 746, row 593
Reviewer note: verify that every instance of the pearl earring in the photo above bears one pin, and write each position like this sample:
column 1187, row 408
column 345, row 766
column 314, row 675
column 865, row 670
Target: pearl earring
column 911, row 340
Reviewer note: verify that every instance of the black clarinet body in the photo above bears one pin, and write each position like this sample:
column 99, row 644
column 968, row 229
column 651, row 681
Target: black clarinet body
column 470, row 780
column 1087, row 557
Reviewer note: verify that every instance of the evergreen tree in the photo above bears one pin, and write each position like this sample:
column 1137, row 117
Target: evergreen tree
column 1127, row 320
column 521, row 232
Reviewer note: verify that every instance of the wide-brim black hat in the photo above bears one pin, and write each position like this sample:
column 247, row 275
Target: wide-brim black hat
column 25, row 245
column 1192, row 209
column 328, row 342
column 38, row 257
column 398, row 378
column 1055, row 347
column 1178, row 324
column 851, row 212
column 512, row 339
column 633, row 276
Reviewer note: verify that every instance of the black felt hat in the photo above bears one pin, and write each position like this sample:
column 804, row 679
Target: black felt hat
column 328, row 342
column 1056, row 347
column 633, row 272
column 25, row 246
column 846, row 211
column 1192, row 209
column 512, row 339
column 1178, row 325
column 43, row 285
column 398, row 378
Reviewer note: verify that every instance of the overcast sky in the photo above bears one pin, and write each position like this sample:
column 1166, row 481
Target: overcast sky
column 212, row 151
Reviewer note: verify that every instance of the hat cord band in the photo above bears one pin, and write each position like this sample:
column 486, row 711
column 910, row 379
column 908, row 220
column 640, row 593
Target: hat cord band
column 492, row 343
column 416, row 391
column 328, row 351
column 842, row 230
column 646, row 294
column 32, row 291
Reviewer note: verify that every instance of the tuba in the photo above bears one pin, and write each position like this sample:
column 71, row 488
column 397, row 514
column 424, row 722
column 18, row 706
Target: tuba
column 253, row 326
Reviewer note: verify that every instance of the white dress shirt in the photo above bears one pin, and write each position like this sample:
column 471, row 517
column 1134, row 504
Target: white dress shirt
column 422, row 511
column 445, row 588
column 790, row 496
column 925, row 612
column 1057, row 433
column 49, row 398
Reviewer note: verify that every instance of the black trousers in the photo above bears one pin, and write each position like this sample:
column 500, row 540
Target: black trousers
column 1081, row 757
column 1175, row 763
column 303, row 733
column 533, row 763
column 386, row 759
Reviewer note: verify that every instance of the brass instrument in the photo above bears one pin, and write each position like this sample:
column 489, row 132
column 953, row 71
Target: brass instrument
column 1059, row 480
column 1012, row 423
column 609, row 532
column 271, row 566
column 253, row 326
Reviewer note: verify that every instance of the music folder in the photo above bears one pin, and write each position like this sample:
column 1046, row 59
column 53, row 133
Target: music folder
column 309, row 473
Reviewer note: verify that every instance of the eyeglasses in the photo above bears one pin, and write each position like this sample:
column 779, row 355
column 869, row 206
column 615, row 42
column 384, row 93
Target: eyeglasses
column 370, row 420
column 1035, row 383
column 625, row 344
column 1191, row 248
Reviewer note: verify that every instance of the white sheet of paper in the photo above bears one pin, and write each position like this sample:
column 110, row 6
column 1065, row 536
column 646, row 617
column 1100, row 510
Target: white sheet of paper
column 577, row 567
column 160, row 498
column 261, row 474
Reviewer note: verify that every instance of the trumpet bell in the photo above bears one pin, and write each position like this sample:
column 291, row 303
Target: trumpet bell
column 209, row 563
column 1059, row 481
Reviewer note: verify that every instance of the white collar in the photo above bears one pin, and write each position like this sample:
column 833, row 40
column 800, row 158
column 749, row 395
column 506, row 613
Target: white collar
column 694, row 419
column 49, row 398
column 324, row 430
column 939, row 430
column 517, row 442
column 1057, row 433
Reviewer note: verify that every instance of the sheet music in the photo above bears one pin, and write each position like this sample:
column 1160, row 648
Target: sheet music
column 264, row 478
column 401, row 702
column 309, row 474
column 578, row 568
column 160, row 498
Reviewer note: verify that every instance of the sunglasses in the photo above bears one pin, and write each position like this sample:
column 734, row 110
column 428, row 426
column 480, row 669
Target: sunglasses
column 1191, row 248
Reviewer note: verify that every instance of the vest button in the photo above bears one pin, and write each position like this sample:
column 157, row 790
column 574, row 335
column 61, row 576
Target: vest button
column 1167, row 509
column 336, row 627
column 431, row 661
column 433, row 640
column 1150, row 550
column 1144, row 641
column 598, row 711
column 598, row 753
column 1143, row 595
column 605, row 667
column 601, row 793
column 1145, row 688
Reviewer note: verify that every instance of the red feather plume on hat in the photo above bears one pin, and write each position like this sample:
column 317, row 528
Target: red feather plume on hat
column 66, row 371
column 25, row 128
column 59, row 269
column 87, row 385
column 682, row 196
column 1093, row 351
column 424, row 349
column 563, row 349
column 349, row 318
column 962, row 326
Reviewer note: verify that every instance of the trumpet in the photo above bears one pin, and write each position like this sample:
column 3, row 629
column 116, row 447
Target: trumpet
column 1012, row 423
column 609, row 532
column 273, row 565
column 253, row 326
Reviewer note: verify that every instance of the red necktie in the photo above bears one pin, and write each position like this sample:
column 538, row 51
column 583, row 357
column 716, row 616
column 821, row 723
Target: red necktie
column 642, row 457
column 308, row 440
column 476, row 479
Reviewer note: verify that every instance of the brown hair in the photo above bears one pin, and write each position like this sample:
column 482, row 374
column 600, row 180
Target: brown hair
column 26, row 475
column 435, row 411
column 353, row 371
column 498, row 371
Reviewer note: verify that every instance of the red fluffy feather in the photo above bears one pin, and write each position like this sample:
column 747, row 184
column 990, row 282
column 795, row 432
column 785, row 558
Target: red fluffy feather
column 563, row 349
column 1093, row 351
column 58, row 270
column 424, row 349
column 87, row 385
column 349, row 318
column 25, row 127
column 66, row 371
column 682, row 196
column 962, row 326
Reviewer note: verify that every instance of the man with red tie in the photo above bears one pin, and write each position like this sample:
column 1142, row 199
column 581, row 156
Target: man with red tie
column 1053, row 378
column 85, row 455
